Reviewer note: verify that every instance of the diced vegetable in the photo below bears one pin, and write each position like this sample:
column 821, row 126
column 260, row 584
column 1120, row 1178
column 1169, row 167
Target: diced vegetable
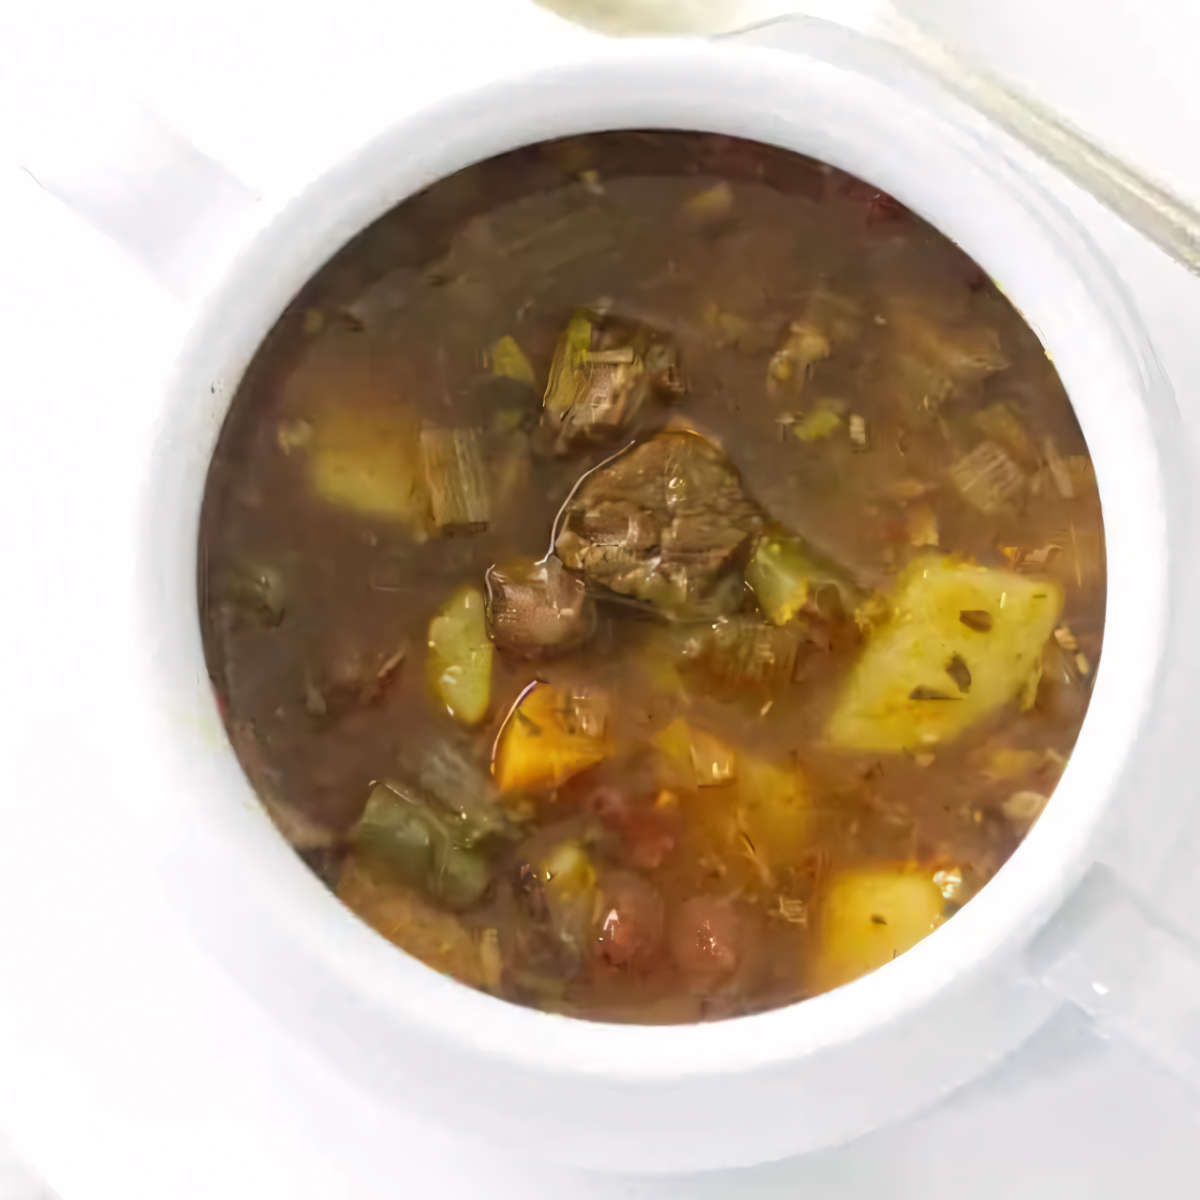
column 774, row 808
column 792, row 364
column 906, row 690
column 402, row 831
column 870, row 915
column 293, row 433
column 508, row 361
column 570, row 358
column 1009, row 762
column 857, row 427
column 935, row 359
column 460, row 656
column 465, row 792
column 816, row 425
column 368, row 460
column 784, row 573
column 1057, row 467
column 998, row 423
column 456, row 478
column 702, row 757
column 712, row 204
column 542, row 744
column 602, row 372
column 403, row 916
column 826, row 321
column 743, row 652
column 963, row 353
column 1024, row 807
column 567, row 871
column 987, row 478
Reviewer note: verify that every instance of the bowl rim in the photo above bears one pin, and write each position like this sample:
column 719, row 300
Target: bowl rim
column 813, row 103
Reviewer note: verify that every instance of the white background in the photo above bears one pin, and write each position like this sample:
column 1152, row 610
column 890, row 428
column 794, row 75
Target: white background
column 104, row 1084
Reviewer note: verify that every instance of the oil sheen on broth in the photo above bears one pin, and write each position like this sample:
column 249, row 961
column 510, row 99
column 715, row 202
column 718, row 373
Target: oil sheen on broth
column 652, row 577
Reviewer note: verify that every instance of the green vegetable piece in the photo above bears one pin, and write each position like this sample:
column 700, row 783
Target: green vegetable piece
column 460, row 656
column 785, row 573
column 907, row 690
column 570, row 358
column 712, row 204
column 457, row 480
column 466, row 792
column 603, row 371
column 819, row 424
column 508, row 361
column 403, row 832
column 998, row 423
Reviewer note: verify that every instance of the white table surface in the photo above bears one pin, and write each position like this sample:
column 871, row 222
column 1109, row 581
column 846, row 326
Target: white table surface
column 84, row 1095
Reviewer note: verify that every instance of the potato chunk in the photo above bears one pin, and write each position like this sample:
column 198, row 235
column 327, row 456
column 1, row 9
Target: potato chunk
column 775, row 806
column 936, row 666
column 869, row 915
column 369, row 461
column 702, row 758
column 460, row 656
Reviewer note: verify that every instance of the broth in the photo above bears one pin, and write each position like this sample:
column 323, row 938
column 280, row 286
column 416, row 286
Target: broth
column 652, row 576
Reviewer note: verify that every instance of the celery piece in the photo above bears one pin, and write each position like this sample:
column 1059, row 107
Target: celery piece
column 987, row 478
column 402, row 831
column 567, row 366
column 784, row 572
column 456, row 478
column 508, row 360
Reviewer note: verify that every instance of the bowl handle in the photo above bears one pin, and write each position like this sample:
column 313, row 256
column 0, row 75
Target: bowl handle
column 1108, row 953
column 171, row 208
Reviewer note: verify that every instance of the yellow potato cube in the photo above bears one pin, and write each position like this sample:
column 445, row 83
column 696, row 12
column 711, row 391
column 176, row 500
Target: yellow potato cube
column 869, row 915
column 460, row 656
column 961, row 642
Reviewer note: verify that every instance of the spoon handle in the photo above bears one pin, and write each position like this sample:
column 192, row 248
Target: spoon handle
column 1147, row 205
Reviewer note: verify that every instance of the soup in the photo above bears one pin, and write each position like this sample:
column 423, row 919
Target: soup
column 652, row 577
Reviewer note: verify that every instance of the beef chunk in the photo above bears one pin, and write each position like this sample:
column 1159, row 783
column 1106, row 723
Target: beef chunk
column 537, row 607
column 602, row 373
column 667, row 523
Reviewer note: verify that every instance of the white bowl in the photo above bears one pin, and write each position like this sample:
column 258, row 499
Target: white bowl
column 621, row 1097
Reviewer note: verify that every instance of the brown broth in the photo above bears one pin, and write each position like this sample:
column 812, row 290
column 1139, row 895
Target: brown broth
column 319, row 703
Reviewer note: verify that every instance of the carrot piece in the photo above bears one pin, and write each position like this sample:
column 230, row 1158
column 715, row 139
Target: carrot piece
column 541, row 745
